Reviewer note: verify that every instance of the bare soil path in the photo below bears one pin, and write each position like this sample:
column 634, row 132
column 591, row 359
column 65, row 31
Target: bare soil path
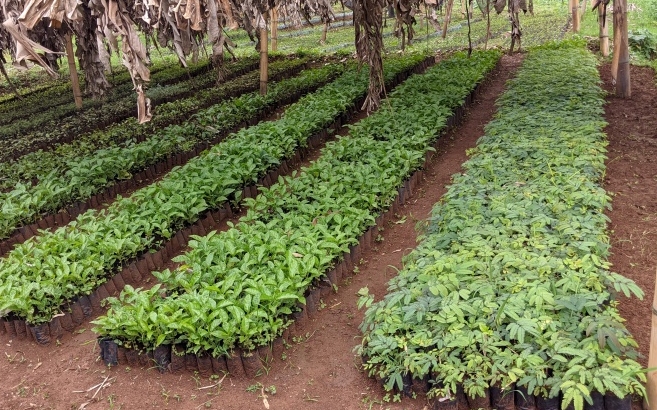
column 631, row 180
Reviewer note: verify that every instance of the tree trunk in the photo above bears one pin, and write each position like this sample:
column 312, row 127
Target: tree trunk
column 487, row 24
column 263, row 61
column 467, row 13
column 614, row 60
column 574, row 11
column 75, row 82
column 516, row 33
column 322, row 41
column 274, row 29
column 604, row 32
column 448, row 15
column 369, row 44
column 217, row 39
column 623, row 88
column 574, row 8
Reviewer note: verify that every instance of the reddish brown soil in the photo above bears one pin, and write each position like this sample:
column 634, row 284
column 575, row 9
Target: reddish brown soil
column 632, row 181
column 320, row 369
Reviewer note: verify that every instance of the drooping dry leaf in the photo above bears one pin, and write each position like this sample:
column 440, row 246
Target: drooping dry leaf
column 26, row 49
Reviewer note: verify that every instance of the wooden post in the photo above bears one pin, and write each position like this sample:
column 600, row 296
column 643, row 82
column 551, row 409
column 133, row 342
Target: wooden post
column 623, row 88
column 574, row 8
column 604, row 30
column 274, row 29
column 75, row 81
column 614, row 60
column 263, row 60
column 651, row 385
column 448, row 14
column 467, row 13
column 487, row 24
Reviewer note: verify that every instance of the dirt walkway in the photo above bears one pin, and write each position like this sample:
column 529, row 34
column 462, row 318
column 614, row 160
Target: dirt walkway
column 631, row 180
column 319, row 369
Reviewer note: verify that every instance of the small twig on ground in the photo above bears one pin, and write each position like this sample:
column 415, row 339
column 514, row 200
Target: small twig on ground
column 105, row 383
column 214, row 385
column 265, row 402
column 94, row 386
column 18, row 385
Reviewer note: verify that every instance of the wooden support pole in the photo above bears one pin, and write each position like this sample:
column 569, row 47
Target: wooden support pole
column 448, row 15
column 623, row 88
column 274, row 29
column 75, row 81
column 264, row 63
column 614, row 60
column 487, row 24
column 604, row 30
column 651, row 385
column 322, row 40
column 467, row 11
column 574, row 8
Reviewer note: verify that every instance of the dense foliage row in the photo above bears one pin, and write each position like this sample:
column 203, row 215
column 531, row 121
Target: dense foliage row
column 48, row 269
column 9, row 96
column 549, row 25
column 82, row 176
column 88, row 175
column 163, row 71
column 43, row 131
column 340, row 37
column 510, row 284
column 61, row 105
column 239, row 287
column 37, row 165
